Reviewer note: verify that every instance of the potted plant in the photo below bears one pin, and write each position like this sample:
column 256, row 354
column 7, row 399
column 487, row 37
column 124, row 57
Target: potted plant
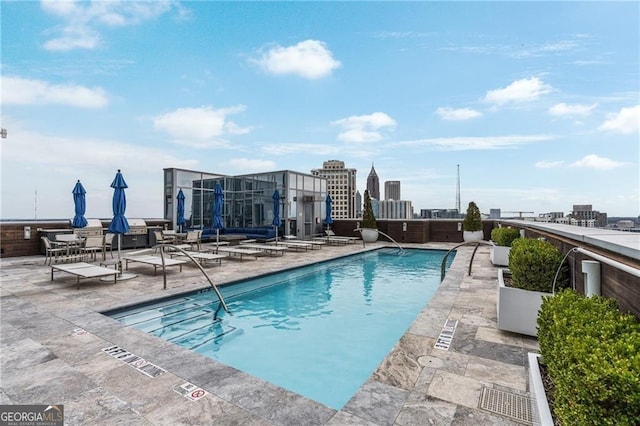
column 472, row 224
column 533, row 265
column 588, row 367
column 369, row 228
column 502, row 239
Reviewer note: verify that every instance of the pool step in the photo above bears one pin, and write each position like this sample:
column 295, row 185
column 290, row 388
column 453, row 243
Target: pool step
column 204, row 335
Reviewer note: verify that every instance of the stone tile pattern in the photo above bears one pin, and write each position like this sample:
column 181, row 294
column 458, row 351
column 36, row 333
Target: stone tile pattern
column 44, row 362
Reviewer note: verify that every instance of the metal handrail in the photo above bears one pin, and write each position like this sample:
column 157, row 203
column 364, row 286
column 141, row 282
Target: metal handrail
column 380, row 232
column 466, row 243
column 164, row 272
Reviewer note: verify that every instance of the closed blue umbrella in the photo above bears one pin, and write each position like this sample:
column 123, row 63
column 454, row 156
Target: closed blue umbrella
column 276, row 212
column 180, row 210
column 119, row 224
column 79, row 221
column 329, row 207
column 218, row 200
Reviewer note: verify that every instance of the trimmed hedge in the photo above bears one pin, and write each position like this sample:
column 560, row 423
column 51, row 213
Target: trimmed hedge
column 533, row 264
column 592, row 354
column 504, row 236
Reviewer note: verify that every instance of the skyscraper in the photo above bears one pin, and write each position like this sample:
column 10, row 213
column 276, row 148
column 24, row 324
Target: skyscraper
column 373, row 184
column 341, row 185
column 392, row 190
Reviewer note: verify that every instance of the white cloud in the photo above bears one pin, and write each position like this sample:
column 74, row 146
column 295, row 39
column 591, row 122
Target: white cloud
column 476, row 143
column 22, row 91
column 593, row 161
column 364, row 128
column 309, row 59
column 202, row 126
column 81, row 19
column 451, row 114
column 563, row 109
column 627, row 120
column 548, row 164
column 93, row 161
column 524, row 90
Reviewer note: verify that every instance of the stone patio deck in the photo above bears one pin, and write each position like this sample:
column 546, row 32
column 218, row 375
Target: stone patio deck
column 44, row 360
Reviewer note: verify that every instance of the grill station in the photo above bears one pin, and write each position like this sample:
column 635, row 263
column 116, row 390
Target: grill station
column 137, row 236
column 93, row 229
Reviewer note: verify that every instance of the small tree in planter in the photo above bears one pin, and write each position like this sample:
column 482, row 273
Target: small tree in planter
column 369, row 228
column 472, row 223
column 502, row 239
column 533, row 265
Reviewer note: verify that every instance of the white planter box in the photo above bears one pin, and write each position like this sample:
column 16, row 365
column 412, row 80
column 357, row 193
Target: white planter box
column 540, row 412
column 517, row 308
column 500, row 255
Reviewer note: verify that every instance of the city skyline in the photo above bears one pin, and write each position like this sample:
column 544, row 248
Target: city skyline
column 541, row 112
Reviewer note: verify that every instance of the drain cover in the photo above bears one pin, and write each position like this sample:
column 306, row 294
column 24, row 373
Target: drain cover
column 516, row 407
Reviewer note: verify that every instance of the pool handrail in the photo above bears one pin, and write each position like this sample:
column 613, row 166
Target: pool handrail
column 162, row 246
column 380, row 232
column 466, row 243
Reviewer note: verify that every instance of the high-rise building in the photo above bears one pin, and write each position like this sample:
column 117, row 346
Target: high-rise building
column 373, row 184
column 394, row 209
column 358, row 204
column 392, row 190
column 341, row 185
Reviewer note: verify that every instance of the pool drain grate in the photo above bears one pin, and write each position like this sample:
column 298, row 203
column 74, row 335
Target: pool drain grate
column 511, row 405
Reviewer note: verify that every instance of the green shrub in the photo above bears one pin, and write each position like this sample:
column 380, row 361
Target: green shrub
column 504, row 236
column 473, row 219
column 533, row 264
column 368, row 219
column 592, row 354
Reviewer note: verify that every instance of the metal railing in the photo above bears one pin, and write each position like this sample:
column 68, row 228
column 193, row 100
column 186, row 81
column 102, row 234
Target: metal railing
column 466, row 243
column 380, row 232
column 195, row 262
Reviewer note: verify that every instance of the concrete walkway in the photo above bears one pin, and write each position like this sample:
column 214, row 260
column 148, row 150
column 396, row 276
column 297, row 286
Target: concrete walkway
column 52, row 341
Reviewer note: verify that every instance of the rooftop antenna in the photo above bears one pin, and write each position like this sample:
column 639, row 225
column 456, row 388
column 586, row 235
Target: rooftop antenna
column 35, row 208
column 458, row 191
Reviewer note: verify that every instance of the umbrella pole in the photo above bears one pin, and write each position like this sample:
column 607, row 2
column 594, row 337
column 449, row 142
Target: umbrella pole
column 123, row 275
column 276, row 235
column 217, row 239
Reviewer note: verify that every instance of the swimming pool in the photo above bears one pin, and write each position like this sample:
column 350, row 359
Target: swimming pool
column 318, row 330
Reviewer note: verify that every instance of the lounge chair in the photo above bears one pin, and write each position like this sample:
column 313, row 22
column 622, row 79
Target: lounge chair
column 85, row 270
column 155, row 261
column 269, row 249
column 240, row 252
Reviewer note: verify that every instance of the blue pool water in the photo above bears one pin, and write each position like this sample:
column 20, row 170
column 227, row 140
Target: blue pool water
column 318, row 330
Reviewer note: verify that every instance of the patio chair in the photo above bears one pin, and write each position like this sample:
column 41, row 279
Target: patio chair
column 193, row 238
column 161, row 239
column 50, row 251
column 92, row 245
column 107, row 243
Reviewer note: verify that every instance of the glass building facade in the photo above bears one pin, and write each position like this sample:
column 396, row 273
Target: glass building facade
column 248, row 200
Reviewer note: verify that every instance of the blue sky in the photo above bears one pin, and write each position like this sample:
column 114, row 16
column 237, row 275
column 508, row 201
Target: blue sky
column 539, row 103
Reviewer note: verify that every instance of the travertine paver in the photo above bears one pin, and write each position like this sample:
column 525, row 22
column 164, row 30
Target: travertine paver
column 46, row 360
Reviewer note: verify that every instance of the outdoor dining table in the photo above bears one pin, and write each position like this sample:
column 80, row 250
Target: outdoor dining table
column 72, row 242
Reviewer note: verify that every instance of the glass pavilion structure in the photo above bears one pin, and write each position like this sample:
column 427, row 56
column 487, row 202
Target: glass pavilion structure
column 248, row 200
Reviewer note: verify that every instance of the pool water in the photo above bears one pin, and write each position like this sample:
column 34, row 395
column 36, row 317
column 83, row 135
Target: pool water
column 319, row 330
